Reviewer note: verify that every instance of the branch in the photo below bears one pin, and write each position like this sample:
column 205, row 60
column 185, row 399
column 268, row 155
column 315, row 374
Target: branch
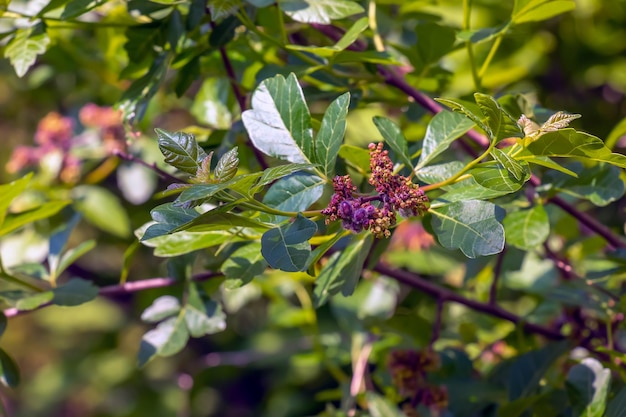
column 444, row 294
column 127, row 288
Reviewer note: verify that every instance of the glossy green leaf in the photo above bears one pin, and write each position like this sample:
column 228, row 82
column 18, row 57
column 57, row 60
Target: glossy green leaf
column 444, row 128
column 9, row 372
column 295, row 193
column 58, row 240
column 161, row 308
column 526, row 371
column 198, row 192
column 501, row 124
column 279, row 123
column 470, row 226
column 394, row 138
column 588, row 387
column 536, row 10
column 600, row 184
column 211, row 105
column 617, row 405
column 343, row 270
column 319, row 11
column 74, row 292
column 544, row 161
column 9, row 191
column 330, row 135
column 274, row 173
column 181, row 150
column 243, row 265
column 167, row 339
column 34, row 301
column 168, row 217
column 379, row 406
column 15, row 221
column 518, row 169
column 226, row 167
column 24, row 48
column 499, row 179
column 527, row 229
column 570, row 143
column 287, row 247
column 372, row 57
column 202, row 317
column 433, row 42
column 102, row 208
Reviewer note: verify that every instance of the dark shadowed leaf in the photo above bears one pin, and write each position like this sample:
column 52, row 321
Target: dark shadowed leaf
column 243, row 265
column 9, row 372
column 600, row 184
column 433, row 42
column 471, row 226
column 617, row 406
column 287, row 247
column 588, row 387
column 74, row 292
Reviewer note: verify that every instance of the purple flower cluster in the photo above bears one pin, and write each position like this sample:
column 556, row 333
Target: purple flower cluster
column 395, row 193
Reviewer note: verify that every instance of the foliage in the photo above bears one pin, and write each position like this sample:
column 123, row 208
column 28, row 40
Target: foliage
column 344, row 208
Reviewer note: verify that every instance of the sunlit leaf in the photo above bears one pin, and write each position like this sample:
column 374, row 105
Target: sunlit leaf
column 527, row 229
column 444, row 128
column 319, row 11
column 394, row 138
column 181, row 150
column 330, row 135
column 161, row 308
column 24, row 48
column 588, row 387
column 243, row 265
column 537, row 10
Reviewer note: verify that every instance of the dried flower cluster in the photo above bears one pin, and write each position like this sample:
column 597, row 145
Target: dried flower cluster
column 409, row 369
column 394, row 193
column 55, row 139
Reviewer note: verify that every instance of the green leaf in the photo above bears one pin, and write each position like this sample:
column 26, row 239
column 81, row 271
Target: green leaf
column 9, row 192
column 211, row 104
column 279, row 123
column 498, row 179
column 444, row 128
column 617, row 406
column 616, row 134
column 295, row 193
column 161, row 308
column 343, row 269
column 58, row 240
column 394, row 138
column 167, row 339
column 274, row 173
column 587, row 387
column 570, row 143
column 199, row 192
column 169, row 217
column 223, row 8
column 319, row 11
column 379, row 406
column 600, row 184
column 24, row 48
column 470, row 110
column 519, row 170
column 180, row 243
column 471, row 226
column 243, row 265
column 69, row 257
column 544, row 161
column 9, row 372
column 536, row 10
column 287, row 247
column 142, row 40
column 181, row 150
column 526, row 371
column 226, row 167
column 134, row 101
column 74, row 292
column 351, row 34
column 433, row 42
column 330, row 135
column 202, row 317
column 218, row 219
column 75, row 8
column 481, row 35
column 357, row 157
column 102, row 208
column 14, row 222
column 34, row 301
column 501, row 124
column 224, row 32
column 527, row 229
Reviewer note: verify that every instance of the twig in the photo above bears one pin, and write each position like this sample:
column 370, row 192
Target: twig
column 445, row 294
column 127, row 288
column 131, row 158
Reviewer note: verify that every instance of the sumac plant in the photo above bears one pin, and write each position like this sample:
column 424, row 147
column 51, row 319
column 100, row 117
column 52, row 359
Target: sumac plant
column 358, row 208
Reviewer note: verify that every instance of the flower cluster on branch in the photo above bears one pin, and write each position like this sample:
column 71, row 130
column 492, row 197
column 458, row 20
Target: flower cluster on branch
column 377, row 213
